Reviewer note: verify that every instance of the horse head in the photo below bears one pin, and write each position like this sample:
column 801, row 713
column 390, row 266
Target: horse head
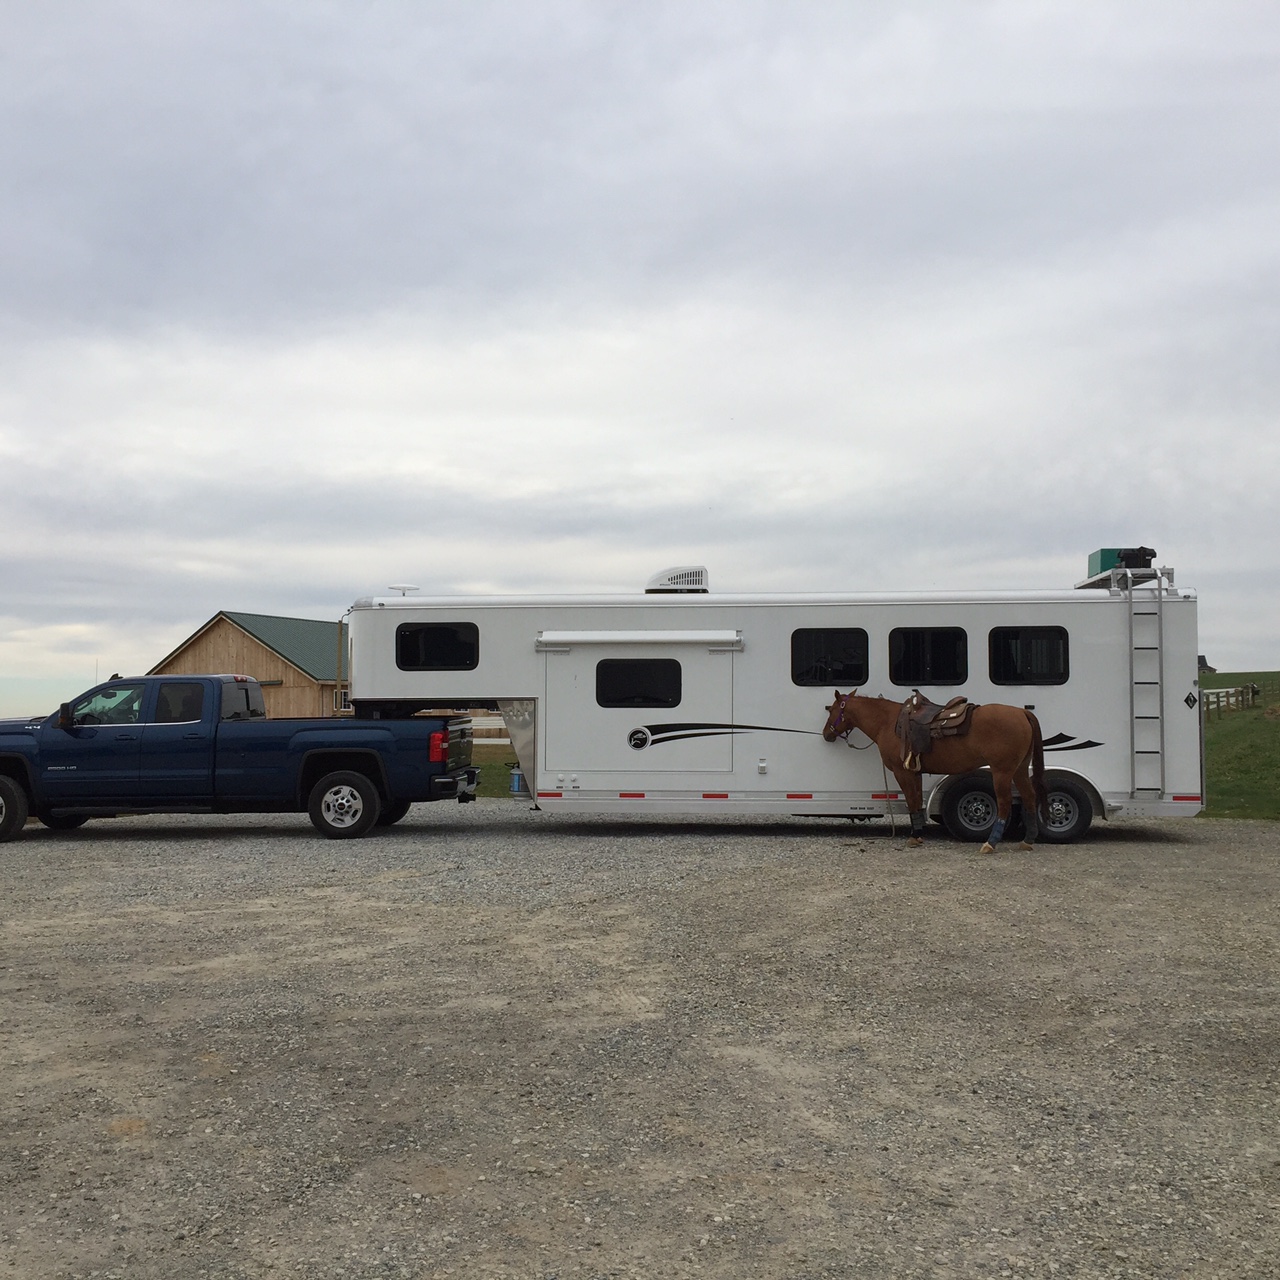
column 839, row 717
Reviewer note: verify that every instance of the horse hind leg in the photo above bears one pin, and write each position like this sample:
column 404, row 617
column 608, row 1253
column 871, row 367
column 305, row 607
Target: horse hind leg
column 1030, row 819
column 1004, row 807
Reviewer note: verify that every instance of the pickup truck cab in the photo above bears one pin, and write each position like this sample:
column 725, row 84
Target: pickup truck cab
column 203, row 744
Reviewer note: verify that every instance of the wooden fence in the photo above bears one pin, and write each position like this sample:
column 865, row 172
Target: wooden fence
column 1241, row 698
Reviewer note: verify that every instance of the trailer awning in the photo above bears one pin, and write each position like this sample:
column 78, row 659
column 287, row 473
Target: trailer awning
column 563, row 641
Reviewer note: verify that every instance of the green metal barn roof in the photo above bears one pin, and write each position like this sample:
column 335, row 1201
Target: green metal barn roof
column 310, row 645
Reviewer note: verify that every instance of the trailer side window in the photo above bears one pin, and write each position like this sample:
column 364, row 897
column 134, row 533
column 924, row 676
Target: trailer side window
column 928, row 655
column 437, row 646
column 829, row 655
column 1028, row 655
column 638, row 682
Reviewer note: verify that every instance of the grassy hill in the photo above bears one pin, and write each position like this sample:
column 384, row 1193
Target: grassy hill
column 1242, row 750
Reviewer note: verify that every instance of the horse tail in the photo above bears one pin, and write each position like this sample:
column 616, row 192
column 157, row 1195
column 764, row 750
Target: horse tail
column 1037, row 767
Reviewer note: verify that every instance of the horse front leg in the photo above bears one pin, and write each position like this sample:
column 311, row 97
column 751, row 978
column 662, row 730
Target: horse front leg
column 1003, row 783
column 913, row 792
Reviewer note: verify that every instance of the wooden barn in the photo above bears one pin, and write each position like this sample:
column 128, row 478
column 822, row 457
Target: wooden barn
column 295, row 659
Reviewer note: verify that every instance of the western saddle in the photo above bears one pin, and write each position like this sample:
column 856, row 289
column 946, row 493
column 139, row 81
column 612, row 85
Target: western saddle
column 921, row 721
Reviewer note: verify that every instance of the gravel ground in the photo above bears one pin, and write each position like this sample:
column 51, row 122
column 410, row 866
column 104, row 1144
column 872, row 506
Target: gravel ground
column 493, row 1043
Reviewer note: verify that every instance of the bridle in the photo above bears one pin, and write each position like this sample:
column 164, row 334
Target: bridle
column 844, row 736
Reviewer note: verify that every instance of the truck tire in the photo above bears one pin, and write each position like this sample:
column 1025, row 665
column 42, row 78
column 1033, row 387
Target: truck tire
column 13, row 808
column 392, row 813
column 1070, row 812
column 344, row 805
column 63, row 821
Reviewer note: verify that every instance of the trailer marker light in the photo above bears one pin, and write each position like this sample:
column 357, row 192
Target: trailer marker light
column 799, row 795
column 550, row 795
column 885, row 795
column 1187, row 799
column 715, row 795
column 630, row 795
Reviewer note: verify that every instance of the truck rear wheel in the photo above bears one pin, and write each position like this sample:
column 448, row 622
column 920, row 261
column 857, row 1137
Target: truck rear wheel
column 344, row 805
column 392, row 813
column 13, row 808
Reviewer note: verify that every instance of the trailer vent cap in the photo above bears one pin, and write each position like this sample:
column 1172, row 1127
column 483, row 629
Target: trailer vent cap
column 684, row 579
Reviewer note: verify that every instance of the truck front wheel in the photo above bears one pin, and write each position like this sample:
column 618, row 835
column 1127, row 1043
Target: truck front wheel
column 13, row 808
column 343, row 805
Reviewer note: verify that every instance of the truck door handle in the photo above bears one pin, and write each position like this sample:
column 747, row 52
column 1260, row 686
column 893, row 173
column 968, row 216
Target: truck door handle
column 126, row 737
column 193, row 735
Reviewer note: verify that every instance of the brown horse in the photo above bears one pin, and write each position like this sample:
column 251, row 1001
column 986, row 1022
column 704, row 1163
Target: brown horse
column 1007, row 739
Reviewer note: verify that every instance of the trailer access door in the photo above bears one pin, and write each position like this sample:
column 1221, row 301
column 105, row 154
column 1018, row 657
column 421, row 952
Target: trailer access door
column 638, row 701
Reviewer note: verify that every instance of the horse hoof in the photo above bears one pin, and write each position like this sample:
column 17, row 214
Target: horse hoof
column 987, row 848
column 915, row 842
column 1027, row 847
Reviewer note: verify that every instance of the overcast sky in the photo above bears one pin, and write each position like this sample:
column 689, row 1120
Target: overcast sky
column 301, row 299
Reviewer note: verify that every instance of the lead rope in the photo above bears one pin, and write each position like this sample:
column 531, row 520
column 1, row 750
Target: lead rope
column 884, row 773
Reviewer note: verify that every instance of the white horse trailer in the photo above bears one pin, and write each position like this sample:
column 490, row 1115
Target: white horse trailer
column 682, row 701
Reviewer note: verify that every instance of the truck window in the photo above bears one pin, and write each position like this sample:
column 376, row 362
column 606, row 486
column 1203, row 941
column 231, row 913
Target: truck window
column 242, row 701
column 179, row 703
column 437, row 646
column 120, row 704
column 638, row 682
column 928, row 655
column 829, row 655
column 1028, row 655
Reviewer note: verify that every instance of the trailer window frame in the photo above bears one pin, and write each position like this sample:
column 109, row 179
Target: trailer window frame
column 816, row 661
column 918, row 656
column 657, row 683
column 459, row 651
column 1028, row 670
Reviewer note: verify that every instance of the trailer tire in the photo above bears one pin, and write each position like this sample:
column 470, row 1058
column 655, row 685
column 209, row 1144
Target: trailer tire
column 1070, row 812
column 13, row 808
column 63, row 821
column 344, row 805
column 969, row 808
column 392, row 813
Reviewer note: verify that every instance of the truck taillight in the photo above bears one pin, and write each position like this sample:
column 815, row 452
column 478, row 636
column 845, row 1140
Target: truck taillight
column 438, row 748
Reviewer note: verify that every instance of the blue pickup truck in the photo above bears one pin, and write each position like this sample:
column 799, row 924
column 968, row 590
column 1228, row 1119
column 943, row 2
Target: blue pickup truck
column 203, row 744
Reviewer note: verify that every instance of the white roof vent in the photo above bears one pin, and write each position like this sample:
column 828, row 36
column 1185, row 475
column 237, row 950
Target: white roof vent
column 684, row 578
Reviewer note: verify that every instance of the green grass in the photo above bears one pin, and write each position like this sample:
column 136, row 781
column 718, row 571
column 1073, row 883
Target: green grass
column 495, row 771
column 1242, row 750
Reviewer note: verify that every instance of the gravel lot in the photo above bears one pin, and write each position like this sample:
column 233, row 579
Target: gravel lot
column 493, row 1043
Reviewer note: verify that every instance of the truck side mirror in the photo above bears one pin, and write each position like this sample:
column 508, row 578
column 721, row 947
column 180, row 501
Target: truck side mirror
column 65, row 718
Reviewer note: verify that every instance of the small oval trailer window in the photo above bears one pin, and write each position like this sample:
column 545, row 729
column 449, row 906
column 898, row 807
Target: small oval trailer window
column 638, row 682
column 437, row 646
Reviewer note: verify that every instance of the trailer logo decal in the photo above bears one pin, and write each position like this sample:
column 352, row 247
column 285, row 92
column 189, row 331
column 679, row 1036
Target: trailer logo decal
column 643, row 736
column 1067, row 742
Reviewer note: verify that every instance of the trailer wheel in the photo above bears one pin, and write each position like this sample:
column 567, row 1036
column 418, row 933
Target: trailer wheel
column 969, row 809
column 63, row 821
column 392, row 813
column 343, row 805
column 13, row 808
column 1070, row 812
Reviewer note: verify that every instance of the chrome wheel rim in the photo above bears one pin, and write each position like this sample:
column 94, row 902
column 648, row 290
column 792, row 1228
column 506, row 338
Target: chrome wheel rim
column 342, row 806
column 976, row 811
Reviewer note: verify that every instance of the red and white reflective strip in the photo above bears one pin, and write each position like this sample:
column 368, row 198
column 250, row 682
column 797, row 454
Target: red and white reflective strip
column 550, row 795
column 1185, row 799
column 799, row 795
column 885, row 795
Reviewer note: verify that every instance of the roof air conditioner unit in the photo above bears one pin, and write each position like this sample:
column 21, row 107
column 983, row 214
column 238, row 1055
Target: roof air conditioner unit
column 684, row 579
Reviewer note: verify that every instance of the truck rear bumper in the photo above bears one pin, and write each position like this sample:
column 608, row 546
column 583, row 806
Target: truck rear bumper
column 460, row 786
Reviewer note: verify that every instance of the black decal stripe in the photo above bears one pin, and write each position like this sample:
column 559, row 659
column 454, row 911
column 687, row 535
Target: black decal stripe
column 1076, row 746
column 1057, row 739
column 661, row 730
